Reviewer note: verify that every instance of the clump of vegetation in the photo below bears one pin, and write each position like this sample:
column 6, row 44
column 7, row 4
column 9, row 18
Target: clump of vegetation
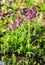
column 22, row 32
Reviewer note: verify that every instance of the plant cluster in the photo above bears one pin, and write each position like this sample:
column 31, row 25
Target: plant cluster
column 22, row 32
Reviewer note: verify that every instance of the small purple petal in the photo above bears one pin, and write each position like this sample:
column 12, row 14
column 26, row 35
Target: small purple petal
column 11, row 25
column 32, row 9
column 25, row 10
column 18, row 21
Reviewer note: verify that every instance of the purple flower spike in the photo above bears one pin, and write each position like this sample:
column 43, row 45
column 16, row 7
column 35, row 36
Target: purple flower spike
column 31, row 13
column 18, row 21
column 11, row 25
